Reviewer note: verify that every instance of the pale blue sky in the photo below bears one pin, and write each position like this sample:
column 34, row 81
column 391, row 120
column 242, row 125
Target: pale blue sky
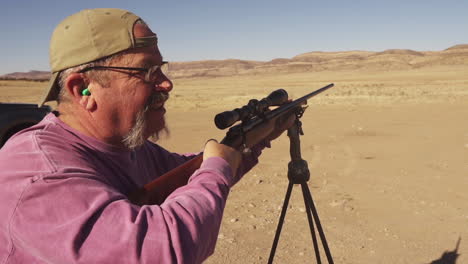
column 243, row 29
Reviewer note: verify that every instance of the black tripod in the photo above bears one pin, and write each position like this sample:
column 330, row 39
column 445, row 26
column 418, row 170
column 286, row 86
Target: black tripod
column 298, row 173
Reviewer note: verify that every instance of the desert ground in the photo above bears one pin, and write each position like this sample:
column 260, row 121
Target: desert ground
column 387, row 150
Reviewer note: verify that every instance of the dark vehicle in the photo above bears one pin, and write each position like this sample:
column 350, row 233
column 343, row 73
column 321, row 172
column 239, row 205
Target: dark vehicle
column 15, row 117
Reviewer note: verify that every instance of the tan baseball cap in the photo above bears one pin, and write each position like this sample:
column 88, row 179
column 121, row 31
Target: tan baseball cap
column 87, row 36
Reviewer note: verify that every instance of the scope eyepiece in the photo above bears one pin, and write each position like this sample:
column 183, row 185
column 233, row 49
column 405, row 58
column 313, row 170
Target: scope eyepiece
column 226, row 119
column 254, row 107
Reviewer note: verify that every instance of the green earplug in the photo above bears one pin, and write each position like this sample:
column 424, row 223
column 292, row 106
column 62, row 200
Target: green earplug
column 86, row 92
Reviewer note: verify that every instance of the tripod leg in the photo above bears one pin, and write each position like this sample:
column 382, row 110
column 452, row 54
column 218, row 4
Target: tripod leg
column 317, row 223
column 280, row 223
column 311, row 222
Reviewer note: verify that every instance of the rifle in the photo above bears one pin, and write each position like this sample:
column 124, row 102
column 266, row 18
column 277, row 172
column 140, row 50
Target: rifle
column 257, row 122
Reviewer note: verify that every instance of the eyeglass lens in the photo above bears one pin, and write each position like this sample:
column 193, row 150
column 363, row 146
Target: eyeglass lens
column 156, row 71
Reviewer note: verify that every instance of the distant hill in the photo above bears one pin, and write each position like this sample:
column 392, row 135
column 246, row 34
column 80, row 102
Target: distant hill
column 31, row 75
column 461, row 46
column 392, row 59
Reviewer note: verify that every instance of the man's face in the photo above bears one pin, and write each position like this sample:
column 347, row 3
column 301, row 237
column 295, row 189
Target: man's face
column 135, row 106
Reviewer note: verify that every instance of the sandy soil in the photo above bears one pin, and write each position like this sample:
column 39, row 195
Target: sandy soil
column 387, row 151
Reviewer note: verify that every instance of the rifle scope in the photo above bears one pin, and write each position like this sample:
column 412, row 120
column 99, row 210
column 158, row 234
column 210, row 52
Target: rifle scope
column 253, row 108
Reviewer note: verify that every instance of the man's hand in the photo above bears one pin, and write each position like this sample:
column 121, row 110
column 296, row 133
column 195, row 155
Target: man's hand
column 232, row 156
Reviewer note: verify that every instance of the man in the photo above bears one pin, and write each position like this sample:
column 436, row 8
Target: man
column 64, row 182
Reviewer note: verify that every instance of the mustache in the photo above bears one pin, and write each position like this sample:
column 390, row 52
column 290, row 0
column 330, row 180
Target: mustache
column 157, row 98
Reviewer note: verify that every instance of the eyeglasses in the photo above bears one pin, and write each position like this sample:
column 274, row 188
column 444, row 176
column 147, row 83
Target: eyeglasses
column 152, row 73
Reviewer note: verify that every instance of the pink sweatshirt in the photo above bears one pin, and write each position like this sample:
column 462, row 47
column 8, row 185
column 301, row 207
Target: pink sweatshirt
column 63, row 200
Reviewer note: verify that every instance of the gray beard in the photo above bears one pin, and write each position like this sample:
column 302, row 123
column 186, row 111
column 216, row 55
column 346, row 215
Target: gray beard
column 136, row 136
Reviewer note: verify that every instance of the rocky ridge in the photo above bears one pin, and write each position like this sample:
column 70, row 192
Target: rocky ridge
column 392, row 59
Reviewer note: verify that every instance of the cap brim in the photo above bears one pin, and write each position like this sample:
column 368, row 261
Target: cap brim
column 52, row 91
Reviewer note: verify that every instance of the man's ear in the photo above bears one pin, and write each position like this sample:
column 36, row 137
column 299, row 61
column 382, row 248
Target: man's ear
column 87, row 100
column 80, row 92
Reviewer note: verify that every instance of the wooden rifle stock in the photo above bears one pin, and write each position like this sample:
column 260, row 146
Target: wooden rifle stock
column 239, row 137
column 156, row 191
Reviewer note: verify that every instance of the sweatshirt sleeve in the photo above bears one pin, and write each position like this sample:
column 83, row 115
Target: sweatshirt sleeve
column 90, row 222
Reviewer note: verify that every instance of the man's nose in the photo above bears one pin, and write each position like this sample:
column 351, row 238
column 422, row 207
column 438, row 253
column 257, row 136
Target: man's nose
column 164, row 85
